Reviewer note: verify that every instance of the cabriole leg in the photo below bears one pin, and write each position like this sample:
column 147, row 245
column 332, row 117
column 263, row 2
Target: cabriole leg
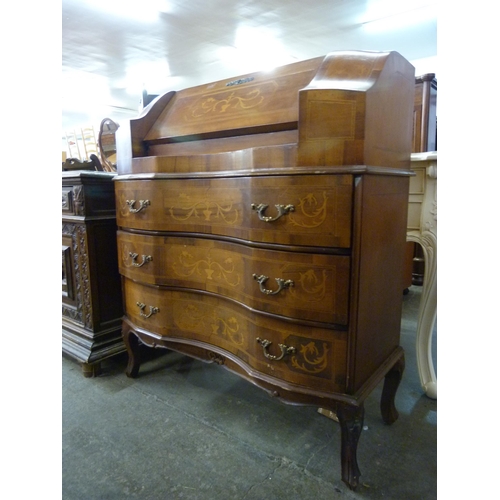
column 351, row 424
column 132, row 344
column 391, row 384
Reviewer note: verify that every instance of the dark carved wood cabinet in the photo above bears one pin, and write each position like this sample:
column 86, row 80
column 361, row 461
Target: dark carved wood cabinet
column 262, row 226
column 91, row 290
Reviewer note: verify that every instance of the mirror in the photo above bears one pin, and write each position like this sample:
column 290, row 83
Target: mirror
column 107, row 144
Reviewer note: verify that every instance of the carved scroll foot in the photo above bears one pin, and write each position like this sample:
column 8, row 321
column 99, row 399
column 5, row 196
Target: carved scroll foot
column 391, row 384
column 431, row 390
column 427, row 312
column 351, row 424
column 132, row 344
column 426, row 322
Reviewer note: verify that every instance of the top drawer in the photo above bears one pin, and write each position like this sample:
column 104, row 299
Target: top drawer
column 310, row 210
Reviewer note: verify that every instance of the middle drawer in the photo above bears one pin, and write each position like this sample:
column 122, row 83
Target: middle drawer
column 306, row 286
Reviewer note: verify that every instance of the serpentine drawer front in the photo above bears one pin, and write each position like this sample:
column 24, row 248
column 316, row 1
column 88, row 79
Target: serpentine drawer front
column 293, row 210
column 295, row 284
column 316, row 358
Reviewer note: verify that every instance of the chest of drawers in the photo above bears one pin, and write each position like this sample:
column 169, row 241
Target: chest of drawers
column 267, row 259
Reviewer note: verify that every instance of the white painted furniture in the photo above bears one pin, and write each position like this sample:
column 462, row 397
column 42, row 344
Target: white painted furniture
column 422, row 229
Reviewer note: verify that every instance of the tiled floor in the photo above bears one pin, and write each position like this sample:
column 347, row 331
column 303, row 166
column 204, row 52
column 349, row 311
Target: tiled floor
column 190, row 430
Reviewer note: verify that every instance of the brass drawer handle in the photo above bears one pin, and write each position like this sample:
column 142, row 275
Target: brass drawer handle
column 145, row 259
column 261, row 279
column 142, row 205
column 285, row 350
column 152, row 310
column 282, row 210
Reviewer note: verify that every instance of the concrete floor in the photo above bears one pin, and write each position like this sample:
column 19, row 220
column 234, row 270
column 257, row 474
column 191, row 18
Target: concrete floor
column 190, row 430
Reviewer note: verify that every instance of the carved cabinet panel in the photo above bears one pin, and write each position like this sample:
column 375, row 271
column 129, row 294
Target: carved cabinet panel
column 91, row 290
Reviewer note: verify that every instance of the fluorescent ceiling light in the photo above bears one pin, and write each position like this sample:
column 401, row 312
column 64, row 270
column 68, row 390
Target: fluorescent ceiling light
column 255, row 49
column 147, row 75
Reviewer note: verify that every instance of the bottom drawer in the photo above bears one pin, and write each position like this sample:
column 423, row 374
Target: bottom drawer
column 316, row 360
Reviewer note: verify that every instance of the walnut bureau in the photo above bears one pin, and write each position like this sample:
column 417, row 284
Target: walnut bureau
column 262, row 226
column 91, row 291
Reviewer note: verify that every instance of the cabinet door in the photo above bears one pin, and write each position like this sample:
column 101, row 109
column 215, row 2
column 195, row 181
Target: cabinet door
column 68, row 273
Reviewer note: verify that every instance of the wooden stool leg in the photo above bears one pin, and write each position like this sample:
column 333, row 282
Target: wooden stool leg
column 132, row 344
column 351, row 424
column 391, row 384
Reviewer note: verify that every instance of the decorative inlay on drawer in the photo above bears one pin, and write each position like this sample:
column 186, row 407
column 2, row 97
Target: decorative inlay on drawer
column 236, row 207
column 317, row 358
column 311, row 356
column 313, row 287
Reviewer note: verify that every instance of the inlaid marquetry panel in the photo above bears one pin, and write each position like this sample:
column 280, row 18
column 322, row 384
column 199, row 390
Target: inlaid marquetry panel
column 332, row 132
column 320, row 213
column 253, row 100
column 318, row 359
column 320, row 283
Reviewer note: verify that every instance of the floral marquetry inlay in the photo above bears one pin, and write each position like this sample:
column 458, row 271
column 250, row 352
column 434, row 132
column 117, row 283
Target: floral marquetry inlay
column 204, row 209
column 233, row 100
column 313, row 285
column 207, row 321
column 213, row 105
column 311, row 356
column 188, row 265
column 310, row 212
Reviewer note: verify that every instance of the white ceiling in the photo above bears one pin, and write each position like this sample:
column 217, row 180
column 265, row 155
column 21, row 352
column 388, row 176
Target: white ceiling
column 113, row 49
